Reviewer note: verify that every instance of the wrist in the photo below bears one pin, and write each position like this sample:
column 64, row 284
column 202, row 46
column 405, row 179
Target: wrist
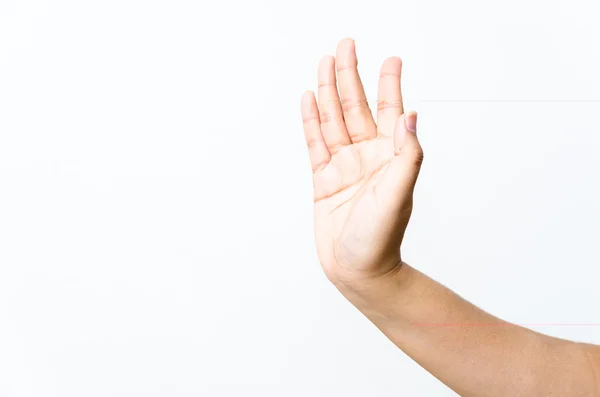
column 363, row 276
column 378, row 296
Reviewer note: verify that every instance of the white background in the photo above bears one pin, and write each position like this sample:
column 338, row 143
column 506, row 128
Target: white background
column 155, row 194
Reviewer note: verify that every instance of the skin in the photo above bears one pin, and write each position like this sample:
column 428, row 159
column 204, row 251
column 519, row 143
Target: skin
column 364, row 173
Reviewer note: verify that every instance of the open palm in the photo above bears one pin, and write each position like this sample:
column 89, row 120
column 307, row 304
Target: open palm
column 364, row 173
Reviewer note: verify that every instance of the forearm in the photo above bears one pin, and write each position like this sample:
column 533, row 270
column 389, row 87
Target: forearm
column 471, row 351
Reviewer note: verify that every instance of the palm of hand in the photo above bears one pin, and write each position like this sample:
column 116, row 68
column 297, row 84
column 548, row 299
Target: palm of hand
column 363, row 173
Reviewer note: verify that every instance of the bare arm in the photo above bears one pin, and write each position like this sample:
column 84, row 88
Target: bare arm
column 471, row 351
column 364, row 173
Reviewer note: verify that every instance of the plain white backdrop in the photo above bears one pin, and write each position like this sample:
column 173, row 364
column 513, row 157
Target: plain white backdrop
column 155, row 194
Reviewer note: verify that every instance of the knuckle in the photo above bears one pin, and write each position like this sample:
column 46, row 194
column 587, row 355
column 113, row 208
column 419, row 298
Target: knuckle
column 326, row 117
column 319, row 166
column 349, row 105
column 327, row 85
column 311, row 142
column 335, row 147
column 414, row 156
column 310, row 118
column 358, row 136
column 348, row 67
column 418, row 157
column 386, row 104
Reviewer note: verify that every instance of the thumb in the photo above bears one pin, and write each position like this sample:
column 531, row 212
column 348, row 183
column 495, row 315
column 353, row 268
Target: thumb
column 405, row 136
column 405, row 166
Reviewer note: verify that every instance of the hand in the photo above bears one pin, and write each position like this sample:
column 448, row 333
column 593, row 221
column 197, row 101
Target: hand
column 364, row 173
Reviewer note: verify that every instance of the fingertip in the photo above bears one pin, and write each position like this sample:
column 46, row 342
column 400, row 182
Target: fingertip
column 346, row 54
column 326, row 60
column 307, row 96
column 392, row 65
column 326, row 70
column 346, row 43
column 308, row 104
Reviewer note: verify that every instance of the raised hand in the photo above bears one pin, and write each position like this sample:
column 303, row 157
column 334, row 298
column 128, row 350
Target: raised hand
column 364, row 172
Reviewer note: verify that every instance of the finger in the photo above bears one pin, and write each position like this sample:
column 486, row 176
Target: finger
column 404, row 168
column 408, row 149
column 333, row 126
column 389, row 100
column 317, row 149
column 359, row 120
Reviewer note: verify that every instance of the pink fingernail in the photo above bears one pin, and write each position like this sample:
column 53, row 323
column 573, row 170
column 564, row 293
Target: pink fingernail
column 411, row 121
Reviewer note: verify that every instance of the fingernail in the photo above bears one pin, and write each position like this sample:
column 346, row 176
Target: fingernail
column 411, row 121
